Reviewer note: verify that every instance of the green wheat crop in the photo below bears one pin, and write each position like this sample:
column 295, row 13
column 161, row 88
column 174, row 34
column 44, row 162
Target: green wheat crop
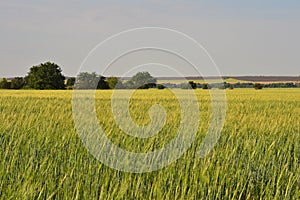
column 257, row 156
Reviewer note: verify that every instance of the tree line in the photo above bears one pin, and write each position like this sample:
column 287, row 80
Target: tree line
column 49, row 76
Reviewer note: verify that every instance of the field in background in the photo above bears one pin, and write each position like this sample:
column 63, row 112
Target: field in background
column 178, row 81
column 257, row 156
column 234, row 80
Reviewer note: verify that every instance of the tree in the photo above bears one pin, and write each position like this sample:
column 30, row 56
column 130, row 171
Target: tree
column 205, row 86
column 45, row 76
column 70, row 82
column 192, row 84
column 4, row 84
column 87, row 80
column 160, row 86
column 102, row 84
column 112, row 82
column 258, row 86
column 142, row 80
column 17, row 83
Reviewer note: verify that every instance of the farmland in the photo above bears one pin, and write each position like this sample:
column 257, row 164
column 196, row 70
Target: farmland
column 257, row 156
column 178, row 81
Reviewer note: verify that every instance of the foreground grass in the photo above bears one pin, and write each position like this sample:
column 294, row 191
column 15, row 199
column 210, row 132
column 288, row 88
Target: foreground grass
column 257, row 156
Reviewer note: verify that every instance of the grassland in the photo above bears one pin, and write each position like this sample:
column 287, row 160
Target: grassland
column 257, row 156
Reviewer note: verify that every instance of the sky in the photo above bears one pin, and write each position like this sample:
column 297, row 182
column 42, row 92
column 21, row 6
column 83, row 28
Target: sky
column 257, row 37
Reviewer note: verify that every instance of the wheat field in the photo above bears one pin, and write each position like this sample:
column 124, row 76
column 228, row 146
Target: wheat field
column 256, row 157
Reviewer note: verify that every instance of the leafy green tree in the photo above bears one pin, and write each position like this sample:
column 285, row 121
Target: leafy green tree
column 112, row 82
column 87, row 80
column 128, row 84
column 205, row 86
column 17, row 83
column 102, row 84
column 142, row 80
column 160, row 86
column 45, row 76
column 70, row 82
column 145, row 86
column 4, row 84
column 258, row 86
column 192, row 84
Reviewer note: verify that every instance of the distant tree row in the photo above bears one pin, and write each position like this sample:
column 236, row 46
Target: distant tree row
column 257, row 86
column 16, row 83
column 49, row 76
column 141, row 80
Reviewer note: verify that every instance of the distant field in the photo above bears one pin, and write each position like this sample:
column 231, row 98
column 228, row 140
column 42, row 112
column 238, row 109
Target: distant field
column 257, row 156
column 178, row 81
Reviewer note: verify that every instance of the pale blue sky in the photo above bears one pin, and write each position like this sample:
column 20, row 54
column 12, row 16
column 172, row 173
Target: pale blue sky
column 253, row 37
